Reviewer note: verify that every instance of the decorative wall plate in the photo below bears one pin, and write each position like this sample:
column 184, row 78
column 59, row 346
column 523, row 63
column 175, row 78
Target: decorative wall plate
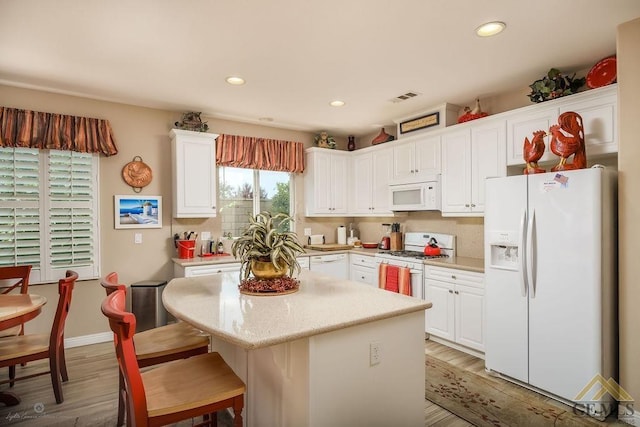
column 137, row 174
column 603, row 73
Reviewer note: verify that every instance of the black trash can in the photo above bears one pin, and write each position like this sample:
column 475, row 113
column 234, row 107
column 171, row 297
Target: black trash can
column 146, row 304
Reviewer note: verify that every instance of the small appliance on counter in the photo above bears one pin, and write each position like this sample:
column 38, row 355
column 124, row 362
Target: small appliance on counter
column 385, row 242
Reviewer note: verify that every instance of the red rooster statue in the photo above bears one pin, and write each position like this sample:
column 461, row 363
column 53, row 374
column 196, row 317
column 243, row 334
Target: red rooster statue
column 533, row 151
column 567, row 138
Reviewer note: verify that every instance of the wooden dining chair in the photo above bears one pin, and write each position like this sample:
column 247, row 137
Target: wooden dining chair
column 26, row 348
column 159, row 345
column 14, row 277
column 198, row 386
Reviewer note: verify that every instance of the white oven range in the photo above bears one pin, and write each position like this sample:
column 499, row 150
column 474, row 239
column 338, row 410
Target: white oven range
column 413, row 255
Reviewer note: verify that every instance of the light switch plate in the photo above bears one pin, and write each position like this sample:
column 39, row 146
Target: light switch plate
column 206, row 235
column 307, row 231
column 137, row 238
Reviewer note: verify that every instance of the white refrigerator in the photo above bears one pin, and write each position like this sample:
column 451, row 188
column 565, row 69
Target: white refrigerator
column 551, row 280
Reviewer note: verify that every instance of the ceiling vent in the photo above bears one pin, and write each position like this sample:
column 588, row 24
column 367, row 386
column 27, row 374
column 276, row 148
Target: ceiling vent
column 404, row 97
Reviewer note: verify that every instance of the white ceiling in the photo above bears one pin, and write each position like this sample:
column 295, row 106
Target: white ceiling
column 298, row 55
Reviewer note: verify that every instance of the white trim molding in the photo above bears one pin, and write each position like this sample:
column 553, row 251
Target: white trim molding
column 88, row 339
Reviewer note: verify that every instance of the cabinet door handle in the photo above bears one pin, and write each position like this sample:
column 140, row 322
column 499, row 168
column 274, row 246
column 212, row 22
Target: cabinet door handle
column 456, row 292
column 466, row 205
column 472, row 205
column 453, row 277
column 450, row 291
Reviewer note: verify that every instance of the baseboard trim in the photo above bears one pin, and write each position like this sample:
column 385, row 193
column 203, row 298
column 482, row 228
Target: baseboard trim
column 88, row 339
column 462, row 348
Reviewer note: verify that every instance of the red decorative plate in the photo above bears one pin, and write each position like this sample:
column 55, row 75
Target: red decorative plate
column 603, row 73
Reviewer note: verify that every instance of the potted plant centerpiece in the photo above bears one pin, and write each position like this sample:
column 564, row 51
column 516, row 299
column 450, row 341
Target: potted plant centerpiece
column 268, row 251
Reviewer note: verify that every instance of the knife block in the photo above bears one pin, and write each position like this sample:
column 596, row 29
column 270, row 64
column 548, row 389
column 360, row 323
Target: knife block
column 396, row 241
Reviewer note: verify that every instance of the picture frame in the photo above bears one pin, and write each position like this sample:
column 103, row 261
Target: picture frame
column 137, row 211
column 422, row 122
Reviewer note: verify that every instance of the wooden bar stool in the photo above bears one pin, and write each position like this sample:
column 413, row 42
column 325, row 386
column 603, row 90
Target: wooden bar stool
column 183, row 389
column 159, row 345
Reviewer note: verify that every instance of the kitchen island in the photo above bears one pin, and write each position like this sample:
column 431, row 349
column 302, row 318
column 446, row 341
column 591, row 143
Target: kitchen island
column 336, row 352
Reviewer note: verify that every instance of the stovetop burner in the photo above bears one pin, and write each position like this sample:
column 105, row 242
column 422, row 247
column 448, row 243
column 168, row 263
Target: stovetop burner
column 413, row 254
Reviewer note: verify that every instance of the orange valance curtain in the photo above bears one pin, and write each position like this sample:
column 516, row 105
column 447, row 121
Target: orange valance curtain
column 33, row 129
column 259, row 153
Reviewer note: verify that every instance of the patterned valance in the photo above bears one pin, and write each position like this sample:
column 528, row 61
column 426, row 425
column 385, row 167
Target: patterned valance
column 259, row 153
column 33, row 129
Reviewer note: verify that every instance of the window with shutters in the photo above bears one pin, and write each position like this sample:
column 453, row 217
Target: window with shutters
column 49, row 212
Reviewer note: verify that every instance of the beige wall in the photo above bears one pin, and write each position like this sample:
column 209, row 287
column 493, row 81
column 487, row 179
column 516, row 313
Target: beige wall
column 139, row 132
column 629, row 205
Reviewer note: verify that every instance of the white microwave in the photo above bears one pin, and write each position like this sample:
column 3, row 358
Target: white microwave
column 421, row 196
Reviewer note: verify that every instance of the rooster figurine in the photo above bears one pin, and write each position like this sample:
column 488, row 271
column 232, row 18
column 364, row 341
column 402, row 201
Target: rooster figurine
column 567, row 138
column 533, row 151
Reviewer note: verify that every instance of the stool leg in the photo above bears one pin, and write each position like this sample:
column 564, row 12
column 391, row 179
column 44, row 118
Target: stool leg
column 121, row 399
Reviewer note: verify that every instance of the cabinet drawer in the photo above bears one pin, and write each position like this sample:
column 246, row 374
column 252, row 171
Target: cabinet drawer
column 207, row 270
column 363, row 260
column 453, row 275
column 363, row 275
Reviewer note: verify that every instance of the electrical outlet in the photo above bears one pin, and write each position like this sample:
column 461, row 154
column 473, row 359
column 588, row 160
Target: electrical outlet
column 375, row 353
column 137, row 238
column 206, row 235
column 307, row 232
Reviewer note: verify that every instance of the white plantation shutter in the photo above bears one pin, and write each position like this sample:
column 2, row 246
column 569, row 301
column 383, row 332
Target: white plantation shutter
column 51, row 226
column 19, row 207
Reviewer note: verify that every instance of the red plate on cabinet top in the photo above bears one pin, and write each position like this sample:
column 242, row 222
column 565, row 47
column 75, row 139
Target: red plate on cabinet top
column 603, row 73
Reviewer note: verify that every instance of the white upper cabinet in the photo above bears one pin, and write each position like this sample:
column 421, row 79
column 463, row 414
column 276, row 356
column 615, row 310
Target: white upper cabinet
column 523, row 126
column 194, row 173
column 326, row 184
column 597, row 107
column 469, row 156
column 598, row 113
column 370, row 174
column 415, row 160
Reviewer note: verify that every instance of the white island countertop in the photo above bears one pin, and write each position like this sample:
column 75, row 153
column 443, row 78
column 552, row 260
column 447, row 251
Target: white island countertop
column 323, row 304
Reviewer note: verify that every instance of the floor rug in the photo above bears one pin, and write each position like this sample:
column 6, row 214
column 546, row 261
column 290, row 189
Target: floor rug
column 489, row 402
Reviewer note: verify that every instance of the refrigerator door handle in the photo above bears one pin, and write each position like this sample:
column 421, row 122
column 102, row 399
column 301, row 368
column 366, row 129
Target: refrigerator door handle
column 523, row 264
column 530, row 254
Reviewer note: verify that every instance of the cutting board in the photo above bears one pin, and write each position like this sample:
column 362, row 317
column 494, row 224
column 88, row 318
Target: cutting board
column 329, row 247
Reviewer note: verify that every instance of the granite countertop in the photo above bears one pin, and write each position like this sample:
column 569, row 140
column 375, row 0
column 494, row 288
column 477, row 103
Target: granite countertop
column 462, row 263
column 323, row 304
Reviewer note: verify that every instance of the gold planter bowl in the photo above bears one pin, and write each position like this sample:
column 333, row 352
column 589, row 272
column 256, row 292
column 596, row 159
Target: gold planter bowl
column 266, row 270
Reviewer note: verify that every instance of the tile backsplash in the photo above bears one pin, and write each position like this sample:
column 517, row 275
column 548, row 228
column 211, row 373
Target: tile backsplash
column 469, row 232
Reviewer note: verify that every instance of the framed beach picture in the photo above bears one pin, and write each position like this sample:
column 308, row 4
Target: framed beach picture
column 138, row 211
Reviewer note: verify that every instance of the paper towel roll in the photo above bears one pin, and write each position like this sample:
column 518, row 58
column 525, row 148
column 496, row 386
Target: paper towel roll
column 342, row 235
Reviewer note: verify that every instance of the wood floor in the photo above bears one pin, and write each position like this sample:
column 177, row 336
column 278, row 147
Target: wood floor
column 90, row 394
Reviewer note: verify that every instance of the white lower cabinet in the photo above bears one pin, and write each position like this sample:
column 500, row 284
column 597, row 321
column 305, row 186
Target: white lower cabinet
column 363, row 268
column 205, row 270
column 457, row 314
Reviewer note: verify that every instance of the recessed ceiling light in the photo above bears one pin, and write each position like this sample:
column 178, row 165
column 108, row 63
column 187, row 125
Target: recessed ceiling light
column 490, row 29
column 234, row 80
column 336, row 103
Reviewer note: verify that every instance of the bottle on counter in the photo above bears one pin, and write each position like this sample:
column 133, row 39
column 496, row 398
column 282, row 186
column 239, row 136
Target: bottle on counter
column 220, row 247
